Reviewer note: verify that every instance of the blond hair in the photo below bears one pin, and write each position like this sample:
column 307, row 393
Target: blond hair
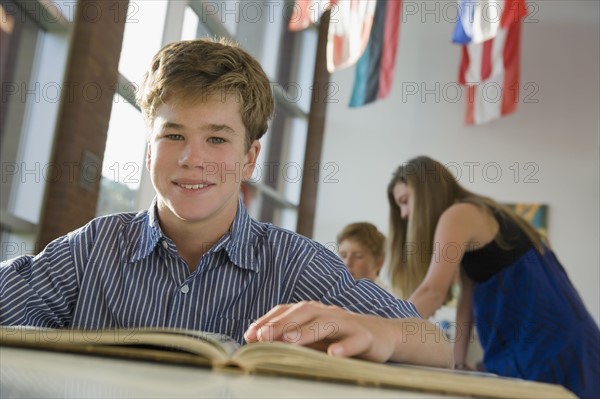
column 366, row 234
column 203, row 69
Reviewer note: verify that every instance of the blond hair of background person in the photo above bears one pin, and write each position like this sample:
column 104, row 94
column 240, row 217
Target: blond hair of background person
column 361, row 246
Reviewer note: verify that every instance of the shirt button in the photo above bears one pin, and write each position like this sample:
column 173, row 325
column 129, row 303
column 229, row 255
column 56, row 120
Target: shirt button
column 165, row 245
column 185, row 289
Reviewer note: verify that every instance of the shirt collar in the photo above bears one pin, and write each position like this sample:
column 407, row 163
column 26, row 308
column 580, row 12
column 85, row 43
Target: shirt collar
column 239, row 243
column 150, row 234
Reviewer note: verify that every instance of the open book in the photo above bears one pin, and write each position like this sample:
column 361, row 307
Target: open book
column 222, row 353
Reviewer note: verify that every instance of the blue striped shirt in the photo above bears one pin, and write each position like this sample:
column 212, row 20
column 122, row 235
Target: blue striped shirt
column 122, row 271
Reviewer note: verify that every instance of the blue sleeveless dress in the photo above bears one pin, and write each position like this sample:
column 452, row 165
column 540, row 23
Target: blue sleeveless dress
column 531, row 322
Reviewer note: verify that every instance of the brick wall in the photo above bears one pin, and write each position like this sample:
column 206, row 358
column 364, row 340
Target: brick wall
column 91, row 75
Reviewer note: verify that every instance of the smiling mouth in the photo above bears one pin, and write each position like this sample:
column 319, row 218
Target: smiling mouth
column 192, row 186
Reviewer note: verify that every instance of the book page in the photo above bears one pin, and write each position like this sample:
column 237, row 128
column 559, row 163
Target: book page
column 162, row 344
column 294, row 360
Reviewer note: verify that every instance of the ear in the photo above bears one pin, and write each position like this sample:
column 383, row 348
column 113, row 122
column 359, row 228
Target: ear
column 379, row 262
column 251, row 157
column 148, row 155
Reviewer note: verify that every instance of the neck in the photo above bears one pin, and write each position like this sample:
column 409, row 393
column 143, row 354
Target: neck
column 194, row 239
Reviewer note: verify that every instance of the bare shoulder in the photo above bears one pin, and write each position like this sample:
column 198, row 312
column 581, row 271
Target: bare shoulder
column 464, row 212
column 478, row 227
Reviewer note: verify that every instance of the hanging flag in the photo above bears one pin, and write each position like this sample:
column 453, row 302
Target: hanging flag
column 349, row 27
column 307, row 12
column 490, row 69
column 375, row 68
column 349, row 30
column 480, row 20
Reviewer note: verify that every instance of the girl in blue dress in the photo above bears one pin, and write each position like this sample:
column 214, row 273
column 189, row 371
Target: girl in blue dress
column 531, row 322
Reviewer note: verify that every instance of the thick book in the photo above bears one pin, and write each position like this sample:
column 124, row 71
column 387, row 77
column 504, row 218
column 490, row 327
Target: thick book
column 220, row 352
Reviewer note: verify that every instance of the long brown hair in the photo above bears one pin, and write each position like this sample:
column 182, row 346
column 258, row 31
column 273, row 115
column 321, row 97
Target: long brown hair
column 434, row 189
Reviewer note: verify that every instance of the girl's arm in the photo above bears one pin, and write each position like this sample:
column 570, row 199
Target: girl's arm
column 464, row 322
column 461, row 227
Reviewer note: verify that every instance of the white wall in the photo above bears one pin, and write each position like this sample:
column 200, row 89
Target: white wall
column 559, row 132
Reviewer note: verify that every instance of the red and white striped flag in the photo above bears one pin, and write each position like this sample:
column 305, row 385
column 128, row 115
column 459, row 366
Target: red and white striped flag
column 490, row 69
column 349, row 27
column 349, row 31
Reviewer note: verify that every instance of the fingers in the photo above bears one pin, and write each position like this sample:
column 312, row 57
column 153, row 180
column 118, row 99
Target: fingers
column 363, row 343
column 328, row 328
column 303, row 323
column 351, row 346
column 254, row 332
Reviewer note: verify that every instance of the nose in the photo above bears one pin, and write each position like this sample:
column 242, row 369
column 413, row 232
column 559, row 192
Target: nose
column 192, row 155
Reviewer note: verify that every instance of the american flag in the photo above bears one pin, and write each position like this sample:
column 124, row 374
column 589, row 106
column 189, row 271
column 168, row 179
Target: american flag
column 489, row 31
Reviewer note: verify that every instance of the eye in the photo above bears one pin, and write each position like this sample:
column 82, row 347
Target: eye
column 174, row 137
column 216, row 140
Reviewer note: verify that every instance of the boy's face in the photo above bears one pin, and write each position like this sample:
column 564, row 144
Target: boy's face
column 197, row 161
column 359, row 260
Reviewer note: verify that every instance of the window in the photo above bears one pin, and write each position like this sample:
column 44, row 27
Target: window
column 143, row 37
column 123, row 164
column 20, row 34
column 32, row 34
column 123, row 159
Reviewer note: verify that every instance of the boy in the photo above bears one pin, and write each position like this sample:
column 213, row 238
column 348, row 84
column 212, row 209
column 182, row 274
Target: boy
column 196, row 259
column 361, row 247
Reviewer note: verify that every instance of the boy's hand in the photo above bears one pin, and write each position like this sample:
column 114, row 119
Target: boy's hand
column 328, row 328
